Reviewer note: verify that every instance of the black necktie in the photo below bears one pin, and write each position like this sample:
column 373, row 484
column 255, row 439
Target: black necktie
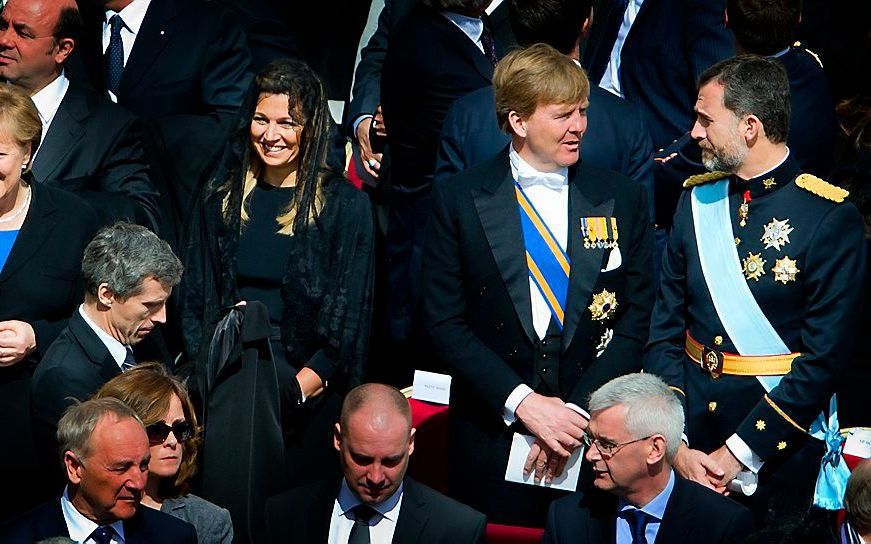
column 129, row 360
column 602, row 43
column 487, row 41
column 102, row 535
column 360, row 531
column 114, row 58
column 638, row 520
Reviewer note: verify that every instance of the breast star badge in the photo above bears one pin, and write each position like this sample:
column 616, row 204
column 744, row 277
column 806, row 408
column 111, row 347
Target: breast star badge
column 776, row 234
column 754, row 266
column 604, row 305
column 785, row 270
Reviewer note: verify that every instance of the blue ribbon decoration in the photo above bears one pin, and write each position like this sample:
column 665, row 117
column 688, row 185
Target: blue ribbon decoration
column 834, row 472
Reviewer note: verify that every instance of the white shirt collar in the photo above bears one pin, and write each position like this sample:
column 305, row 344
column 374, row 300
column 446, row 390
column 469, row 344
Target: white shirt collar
column 521, row 170
column 473, row 27
column 80, row 527
column 117, row 350
column 388, row 508
column 48, row 99
column 492, row 7
column 132, row 15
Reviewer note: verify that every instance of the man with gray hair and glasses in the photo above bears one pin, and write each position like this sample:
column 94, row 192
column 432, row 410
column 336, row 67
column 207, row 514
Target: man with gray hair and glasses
column 128, row 274
column 634, row 432
column 105, row 454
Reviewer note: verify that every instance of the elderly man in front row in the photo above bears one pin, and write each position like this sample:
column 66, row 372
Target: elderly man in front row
column 129, row 274
column 635, row 429
column 105, row 457
column 537, row 286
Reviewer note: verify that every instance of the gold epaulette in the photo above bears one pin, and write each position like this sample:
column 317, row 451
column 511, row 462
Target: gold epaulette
column 821, row 188
column 698, row 179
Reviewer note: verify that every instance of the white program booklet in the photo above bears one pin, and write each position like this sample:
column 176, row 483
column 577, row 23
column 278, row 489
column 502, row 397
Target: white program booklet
column 520, row 446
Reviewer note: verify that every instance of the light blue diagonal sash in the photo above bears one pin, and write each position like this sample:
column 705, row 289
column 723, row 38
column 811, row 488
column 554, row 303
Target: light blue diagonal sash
column 548, row 263
column 749, row 328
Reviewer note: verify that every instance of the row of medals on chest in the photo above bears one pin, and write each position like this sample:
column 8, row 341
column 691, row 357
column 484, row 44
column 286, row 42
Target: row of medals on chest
column 774, row 235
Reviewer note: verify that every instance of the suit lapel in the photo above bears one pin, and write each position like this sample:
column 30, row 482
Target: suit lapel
column 63, row 133
column 157, row 29
column 412, row 516
column 36, row 230
column 465, row 47
column 496, row 204
column 93, row 347
column 586, row 263
column 679, row 507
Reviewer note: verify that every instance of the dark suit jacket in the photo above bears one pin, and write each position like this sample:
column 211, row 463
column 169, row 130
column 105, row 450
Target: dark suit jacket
column 94, row 148
column 670, row 44
column 693, row 514
column 426, row 516
column 429, row 64
column 187, row 74
column 478, row 312
column 616, row 136
column 146, row 527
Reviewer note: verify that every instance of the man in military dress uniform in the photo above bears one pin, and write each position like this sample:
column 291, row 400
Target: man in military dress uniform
column 761, row 285
column 536, row 286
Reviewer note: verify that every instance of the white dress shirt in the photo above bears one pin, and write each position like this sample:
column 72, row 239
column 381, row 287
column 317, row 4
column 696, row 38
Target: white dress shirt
column 47, row 102
column 117, row 350
column 132, row 15
column 473, row 27
column 80, row 527
column 381, row 526
column 611, row 78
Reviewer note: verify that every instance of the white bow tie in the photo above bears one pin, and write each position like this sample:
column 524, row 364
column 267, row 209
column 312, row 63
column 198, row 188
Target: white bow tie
column 550, row 180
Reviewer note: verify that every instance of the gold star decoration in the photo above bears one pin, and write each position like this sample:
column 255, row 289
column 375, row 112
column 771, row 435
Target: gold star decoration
column 785, row 270
column 754, row 266
column 604, row 305
column 760, row 425
column 768, row 183
column 781, row 446
column 776, row 233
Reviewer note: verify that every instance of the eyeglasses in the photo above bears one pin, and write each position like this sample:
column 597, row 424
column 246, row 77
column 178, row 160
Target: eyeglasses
column 157, row 432
column 607, row 450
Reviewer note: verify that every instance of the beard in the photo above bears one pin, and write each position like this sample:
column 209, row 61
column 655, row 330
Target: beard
column 726, row 158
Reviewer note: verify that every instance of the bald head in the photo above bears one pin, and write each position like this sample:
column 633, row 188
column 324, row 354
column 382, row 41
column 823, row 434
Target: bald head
column 36, row 38
column 381, row 405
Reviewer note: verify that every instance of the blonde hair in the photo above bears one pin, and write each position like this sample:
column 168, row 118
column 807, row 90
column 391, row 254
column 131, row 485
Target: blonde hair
column 536, row 75
column 19, row 117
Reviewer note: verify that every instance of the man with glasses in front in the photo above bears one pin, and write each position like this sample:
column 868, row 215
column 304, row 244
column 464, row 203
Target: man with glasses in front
column 637, row 498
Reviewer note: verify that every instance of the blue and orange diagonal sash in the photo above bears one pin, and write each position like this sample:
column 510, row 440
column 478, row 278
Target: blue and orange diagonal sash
column 548, row 264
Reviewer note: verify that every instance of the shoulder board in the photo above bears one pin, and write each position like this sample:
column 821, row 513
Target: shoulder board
column 699, row 179
column 821, row 188
column 809, row 52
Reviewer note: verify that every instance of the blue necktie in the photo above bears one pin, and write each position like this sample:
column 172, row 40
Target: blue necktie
column 129, row 360
column 114, row 58
column 102, row 535
column 603, row 43
column 638, row 520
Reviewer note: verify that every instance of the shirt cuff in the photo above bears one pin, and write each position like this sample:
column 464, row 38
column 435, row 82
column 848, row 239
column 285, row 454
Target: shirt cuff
column 685, row 439
column 578, row 409
column 513, row 401
column 357, row 122
column 744, row 454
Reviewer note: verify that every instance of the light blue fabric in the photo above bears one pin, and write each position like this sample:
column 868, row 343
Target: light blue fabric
column 7, row 240
column 834, row 472
column 655, row 508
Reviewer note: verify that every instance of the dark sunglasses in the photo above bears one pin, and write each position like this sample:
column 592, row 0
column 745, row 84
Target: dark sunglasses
column 157, row 432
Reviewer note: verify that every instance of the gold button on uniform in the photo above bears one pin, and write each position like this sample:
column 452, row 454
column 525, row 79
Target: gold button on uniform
column 712, row 406
column 718, row 340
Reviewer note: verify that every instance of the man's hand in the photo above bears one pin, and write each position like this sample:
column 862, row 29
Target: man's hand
column 371, row 161
column 697, row 466
column 17, row 340
column 724, row 458
column 557, row 430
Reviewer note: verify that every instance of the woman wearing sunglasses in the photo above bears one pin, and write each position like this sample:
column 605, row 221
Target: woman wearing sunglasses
column 163, row 404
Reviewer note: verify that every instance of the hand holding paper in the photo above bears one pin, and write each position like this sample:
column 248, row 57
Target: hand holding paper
column 521, row 448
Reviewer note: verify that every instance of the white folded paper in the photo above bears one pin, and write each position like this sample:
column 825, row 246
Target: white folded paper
column 858, row 443
column 520, row 446
column 431, row 387
column 744, row 483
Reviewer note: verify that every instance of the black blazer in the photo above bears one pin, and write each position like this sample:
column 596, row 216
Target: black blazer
column 146, row 527
column 670, row 44
column 429, row 64
column 94, row 148
column 426, row 516
column 693, row 514
column 616, row 137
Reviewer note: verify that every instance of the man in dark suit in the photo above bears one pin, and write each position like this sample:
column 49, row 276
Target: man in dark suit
column 90, row 146
column 128, row 274
column 635, row 428
column 769, row 28
column 537, row 286
column 105, row 458
column 616, row 136
column 375, row 502
column 652, row 52
column 181, row 65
